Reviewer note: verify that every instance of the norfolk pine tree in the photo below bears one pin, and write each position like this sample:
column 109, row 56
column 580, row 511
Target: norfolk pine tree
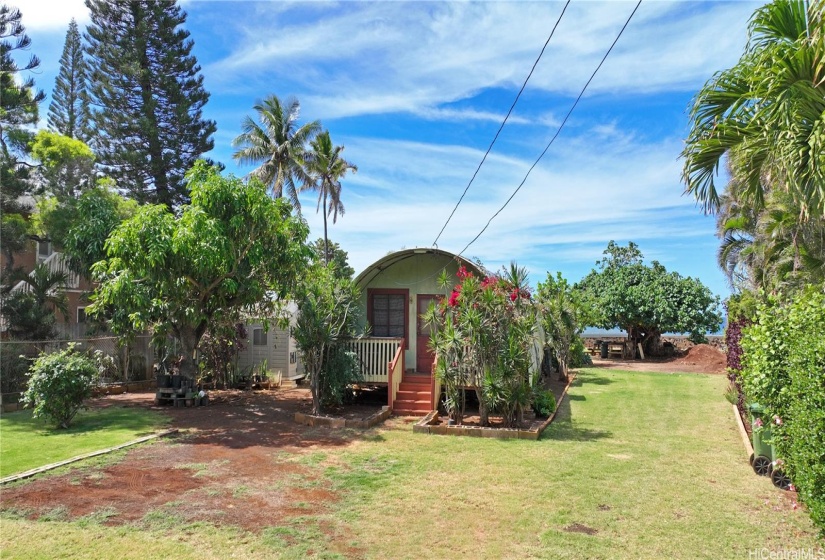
column 149, row 92
column 69, row 109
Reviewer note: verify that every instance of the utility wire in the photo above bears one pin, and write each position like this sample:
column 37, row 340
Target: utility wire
column 500, row 128
column 558, row 131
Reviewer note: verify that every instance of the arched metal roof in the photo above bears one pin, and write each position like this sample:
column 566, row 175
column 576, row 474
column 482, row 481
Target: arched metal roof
column 389, row 260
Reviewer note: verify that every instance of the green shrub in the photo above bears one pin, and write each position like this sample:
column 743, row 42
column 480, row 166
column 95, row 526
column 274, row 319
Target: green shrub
column 544, row 402
column 58, row 384
column 341, row 370
column 784, row 370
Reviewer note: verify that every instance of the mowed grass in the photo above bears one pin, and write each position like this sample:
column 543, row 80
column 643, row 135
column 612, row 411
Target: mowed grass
column 637, row 465
column 27, row 443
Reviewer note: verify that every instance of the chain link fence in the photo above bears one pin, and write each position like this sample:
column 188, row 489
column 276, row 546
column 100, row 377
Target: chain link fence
column 121, row 363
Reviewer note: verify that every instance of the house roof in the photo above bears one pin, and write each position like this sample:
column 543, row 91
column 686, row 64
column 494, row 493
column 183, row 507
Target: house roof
column 390, row 259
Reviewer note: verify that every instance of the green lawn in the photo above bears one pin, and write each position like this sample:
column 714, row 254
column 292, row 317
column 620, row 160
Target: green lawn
column 651, row 464
column 27, row 443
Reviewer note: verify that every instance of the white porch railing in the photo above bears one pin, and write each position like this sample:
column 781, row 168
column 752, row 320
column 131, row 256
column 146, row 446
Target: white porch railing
column 375, row 354
column 55, row 263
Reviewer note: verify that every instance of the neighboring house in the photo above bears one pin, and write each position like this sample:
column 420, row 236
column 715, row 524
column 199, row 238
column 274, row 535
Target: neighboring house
column 275, row 346
column 37, row 252
column 395, row 291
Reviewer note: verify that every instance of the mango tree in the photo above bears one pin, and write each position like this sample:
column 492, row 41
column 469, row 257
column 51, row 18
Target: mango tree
column 233, row 248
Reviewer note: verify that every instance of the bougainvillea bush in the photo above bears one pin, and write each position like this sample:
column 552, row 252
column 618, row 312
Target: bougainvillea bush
column 783, row 369
column 484, row 335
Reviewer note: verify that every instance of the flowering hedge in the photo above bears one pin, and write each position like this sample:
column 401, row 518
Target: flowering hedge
column 783, row 369
column 483, row 334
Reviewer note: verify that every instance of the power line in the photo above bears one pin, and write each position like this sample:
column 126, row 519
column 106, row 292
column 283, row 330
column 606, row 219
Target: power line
column 490, row 147
column 558, row 131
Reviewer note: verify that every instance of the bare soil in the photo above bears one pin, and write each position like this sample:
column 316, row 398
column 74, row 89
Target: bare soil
column 228, row 465
column 701, row 358
column 229, row 462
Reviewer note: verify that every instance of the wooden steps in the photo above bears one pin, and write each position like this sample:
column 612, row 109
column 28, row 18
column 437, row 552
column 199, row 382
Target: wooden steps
column 414, row 397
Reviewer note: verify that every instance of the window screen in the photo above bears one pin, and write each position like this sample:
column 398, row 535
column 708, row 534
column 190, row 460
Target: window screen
column 258, row 337
column 388, row 315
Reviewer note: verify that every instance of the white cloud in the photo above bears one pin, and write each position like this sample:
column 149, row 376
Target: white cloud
column 51, row 15
column 369, row 58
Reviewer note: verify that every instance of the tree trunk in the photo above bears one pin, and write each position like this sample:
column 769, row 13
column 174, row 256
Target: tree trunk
column 483, row 410
column 189, row 338
column 563, row 367
column 326, row 240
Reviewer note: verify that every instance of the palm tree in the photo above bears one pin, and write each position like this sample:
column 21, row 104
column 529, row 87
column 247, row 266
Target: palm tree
column 30, row 311
column 278, row 144
column 325, row 168
column 768, row 107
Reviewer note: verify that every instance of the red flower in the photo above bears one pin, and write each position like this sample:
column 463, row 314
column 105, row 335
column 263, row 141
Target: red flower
column 454, row 299
column 514, row 295
column 462, row 272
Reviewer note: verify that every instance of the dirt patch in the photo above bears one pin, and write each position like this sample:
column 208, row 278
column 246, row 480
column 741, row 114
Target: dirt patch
column 579, row 528
column 236, row 462
column 701, row 358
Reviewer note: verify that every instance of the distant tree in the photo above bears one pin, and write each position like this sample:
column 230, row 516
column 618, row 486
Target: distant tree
column 647, row 301
column 149, row 94
column 331, row 252
column 326, row 168
column 278, row 144
column 69, row 110
column 232, row 249
column 18, row 114
column 65, row 165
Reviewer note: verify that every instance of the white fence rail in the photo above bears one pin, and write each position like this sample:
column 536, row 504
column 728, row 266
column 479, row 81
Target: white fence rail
column 375, row 355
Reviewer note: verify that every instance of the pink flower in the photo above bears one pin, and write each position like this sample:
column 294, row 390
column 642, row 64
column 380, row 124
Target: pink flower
column 778, row 420
column 758, row 423
column 462, row 272
column 792, row 488
column 514, row 295
column 454, row 299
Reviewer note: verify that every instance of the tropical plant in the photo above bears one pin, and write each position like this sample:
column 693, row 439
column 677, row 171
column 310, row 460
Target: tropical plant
column 328, row 315
column 278, row 144
column 326, row 168
column 59, row 383
column 563, row 312
column 232, row 249
column 30, row 311
column 768, row 111
column 483, row 336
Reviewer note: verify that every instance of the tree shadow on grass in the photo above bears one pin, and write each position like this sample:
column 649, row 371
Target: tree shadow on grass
column 564, row 429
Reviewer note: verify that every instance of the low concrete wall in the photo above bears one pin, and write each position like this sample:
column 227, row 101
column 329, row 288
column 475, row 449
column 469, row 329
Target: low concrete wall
column 332, row 422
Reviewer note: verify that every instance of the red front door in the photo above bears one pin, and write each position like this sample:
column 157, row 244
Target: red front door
column 423, row 354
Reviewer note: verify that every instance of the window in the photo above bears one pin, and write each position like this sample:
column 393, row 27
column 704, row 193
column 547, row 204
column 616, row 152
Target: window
column 81, row 315
column 293, row 357
column 44, row 249
column 388, row 313
column 258, row 337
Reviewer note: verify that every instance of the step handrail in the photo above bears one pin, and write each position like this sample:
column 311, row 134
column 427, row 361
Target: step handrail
column 395, row 373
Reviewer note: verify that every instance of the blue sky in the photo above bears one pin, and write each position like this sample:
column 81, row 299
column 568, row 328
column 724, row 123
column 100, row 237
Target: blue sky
column 415, row 92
